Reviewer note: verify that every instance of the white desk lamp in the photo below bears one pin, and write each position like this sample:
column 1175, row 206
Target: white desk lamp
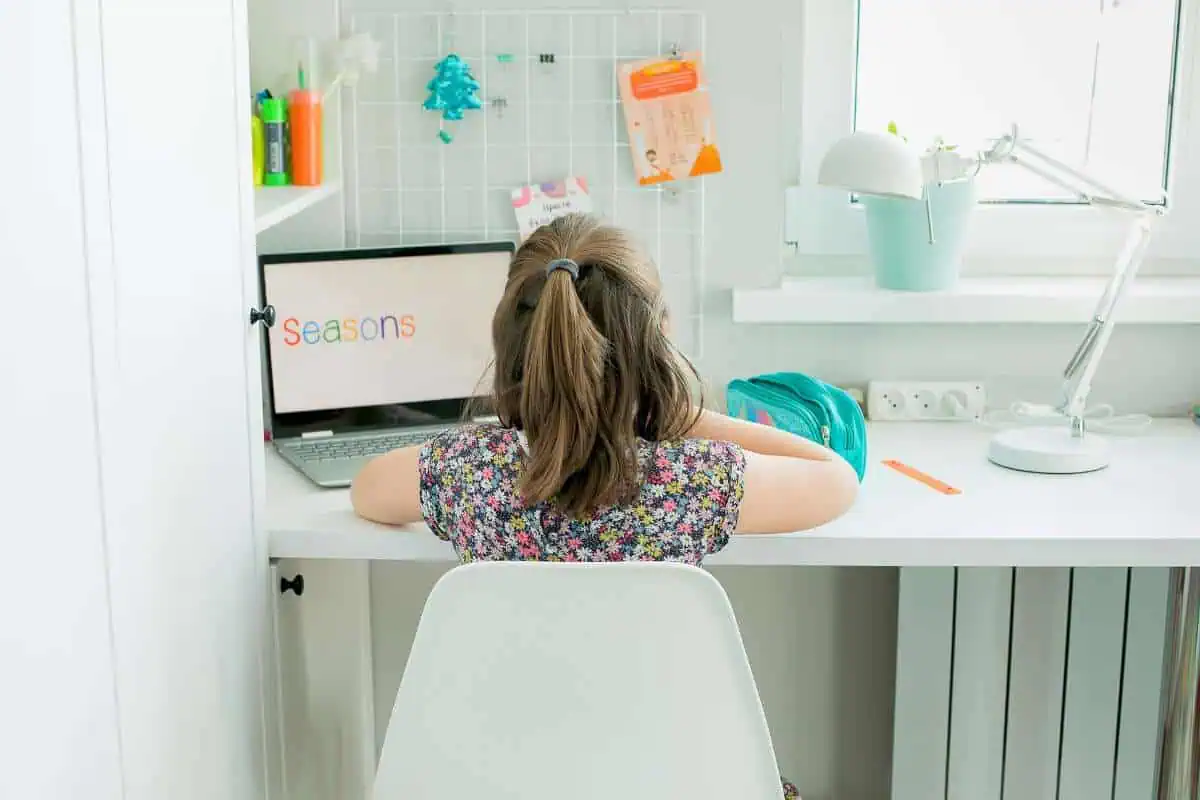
column 868, row 163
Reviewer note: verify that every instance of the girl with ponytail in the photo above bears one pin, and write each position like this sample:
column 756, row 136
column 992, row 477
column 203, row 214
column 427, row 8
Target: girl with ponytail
column 602, row 451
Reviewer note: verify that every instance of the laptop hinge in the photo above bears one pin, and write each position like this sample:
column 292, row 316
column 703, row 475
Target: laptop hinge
column 316, row 434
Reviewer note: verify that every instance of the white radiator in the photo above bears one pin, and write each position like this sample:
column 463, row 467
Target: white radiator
column 1030, row 683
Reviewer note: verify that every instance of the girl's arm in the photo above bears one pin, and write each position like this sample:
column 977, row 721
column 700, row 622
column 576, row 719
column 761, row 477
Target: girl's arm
column 791, row 484
column 762, row 439
column 786, row 494
column 388, row 489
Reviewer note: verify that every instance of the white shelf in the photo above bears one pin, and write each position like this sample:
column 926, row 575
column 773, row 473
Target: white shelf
column 827, row 300
column 274, row 204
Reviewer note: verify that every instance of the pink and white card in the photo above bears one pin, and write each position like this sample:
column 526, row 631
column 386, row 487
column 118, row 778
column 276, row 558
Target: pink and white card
column 538, row 203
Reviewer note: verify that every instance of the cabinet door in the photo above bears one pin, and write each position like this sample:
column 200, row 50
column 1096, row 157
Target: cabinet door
column 167, row 182
column 325, row 681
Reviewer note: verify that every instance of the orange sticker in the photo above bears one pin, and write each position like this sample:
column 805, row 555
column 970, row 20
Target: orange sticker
column 917, row 475
column 664, row 78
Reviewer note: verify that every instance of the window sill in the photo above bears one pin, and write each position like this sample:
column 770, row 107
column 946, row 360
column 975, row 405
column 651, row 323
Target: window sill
column 824, row 300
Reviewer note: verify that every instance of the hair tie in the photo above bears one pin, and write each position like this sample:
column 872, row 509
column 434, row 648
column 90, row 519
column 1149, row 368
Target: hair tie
column 565, row 264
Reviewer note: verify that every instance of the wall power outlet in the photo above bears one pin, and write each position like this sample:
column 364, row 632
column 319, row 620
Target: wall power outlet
column 925, row 400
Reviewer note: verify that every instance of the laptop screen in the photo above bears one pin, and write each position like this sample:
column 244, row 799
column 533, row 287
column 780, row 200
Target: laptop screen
column 372, row 328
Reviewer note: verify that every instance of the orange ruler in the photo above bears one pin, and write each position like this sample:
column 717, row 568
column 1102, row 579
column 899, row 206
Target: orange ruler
column 917, row 475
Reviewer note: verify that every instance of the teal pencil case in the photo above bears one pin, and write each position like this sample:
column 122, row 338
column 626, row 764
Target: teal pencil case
column 805, row 406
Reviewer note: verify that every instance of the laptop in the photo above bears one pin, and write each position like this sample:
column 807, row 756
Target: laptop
column 376, row 349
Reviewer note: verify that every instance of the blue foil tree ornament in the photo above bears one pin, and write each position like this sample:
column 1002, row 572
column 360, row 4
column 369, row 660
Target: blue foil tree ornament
column 452, row 90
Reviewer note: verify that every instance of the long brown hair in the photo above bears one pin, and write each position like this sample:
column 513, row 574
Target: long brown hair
column 584, row 366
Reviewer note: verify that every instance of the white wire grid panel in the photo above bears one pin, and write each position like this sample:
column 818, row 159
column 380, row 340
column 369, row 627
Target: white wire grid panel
column 540, row 122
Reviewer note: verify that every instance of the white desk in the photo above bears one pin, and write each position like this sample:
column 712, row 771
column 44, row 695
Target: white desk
column 1144, row 510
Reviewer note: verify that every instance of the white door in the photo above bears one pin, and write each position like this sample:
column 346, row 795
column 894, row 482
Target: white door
column 187, row 573
column 139, row 506
column 58, row 711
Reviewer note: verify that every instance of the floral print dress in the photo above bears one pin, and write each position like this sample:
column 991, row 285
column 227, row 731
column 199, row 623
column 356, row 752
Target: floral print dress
column 686, row 509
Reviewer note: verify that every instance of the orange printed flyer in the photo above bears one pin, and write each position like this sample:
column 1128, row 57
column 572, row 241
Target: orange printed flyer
column 669, row 119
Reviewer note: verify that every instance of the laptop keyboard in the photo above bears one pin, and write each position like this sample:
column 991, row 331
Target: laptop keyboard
column 346, row 449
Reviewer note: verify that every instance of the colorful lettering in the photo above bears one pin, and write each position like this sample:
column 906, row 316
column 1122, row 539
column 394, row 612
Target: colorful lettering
column 385, row 327
column 291, row 331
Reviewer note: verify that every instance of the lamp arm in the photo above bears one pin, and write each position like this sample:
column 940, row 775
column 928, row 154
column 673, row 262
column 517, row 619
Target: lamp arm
column 1011, row 148
column 1078, row 374
column 1077, row 377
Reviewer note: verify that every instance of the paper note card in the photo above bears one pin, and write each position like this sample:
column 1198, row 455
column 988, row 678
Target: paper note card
column 669, row 119
column 539, row 203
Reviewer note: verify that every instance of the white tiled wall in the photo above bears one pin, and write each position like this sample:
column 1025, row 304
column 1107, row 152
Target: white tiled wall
column 539, row 122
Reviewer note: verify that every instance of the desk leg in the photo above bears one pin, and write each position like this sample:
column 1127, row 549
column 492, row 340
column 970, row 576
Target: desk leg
column 1179, row 760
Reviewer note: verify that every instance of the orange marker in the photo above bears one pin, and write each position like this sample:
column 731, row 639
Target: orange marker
column 306, row 127
column 917, row 475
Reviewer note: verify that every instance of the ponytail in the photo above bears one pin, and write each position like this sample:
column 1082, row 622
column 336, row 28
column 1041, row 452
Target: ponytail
column 583, row 365
column 561, row 398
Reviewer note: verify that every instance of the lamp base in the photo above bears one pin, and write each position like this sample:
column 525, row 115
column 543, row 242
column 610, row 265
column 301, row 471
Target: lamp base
column 1048, row 451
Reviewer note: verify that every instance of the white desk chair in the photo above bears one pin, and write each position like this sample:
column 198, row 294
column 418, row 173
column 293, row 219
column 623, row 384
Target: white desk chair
column 584, row 681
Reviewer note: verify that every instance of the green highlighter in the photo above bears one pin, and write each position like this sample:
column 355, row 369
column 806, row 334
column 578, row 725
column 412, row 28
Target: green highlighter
column 274, row 116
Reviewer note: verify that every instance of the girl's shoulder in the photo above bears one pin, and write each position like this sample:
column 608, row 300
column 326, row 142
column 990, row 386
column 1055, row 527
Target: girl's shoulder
column 475, row 442
column 493, row 444
column 696, row 465
column 699, row 452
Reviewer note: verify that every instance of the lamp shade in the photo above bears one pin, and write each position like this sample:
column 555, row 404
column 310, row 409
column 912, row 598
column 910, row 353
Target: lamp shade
column 873, row 163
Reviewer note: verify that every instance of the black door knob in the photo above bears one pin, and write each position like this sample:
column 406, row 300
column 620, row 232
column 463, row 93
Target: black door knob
column 296, row 585
column 264, row 315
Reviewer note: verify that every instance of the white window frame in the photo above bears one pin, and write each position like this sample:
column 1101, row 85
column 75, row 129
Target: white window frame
column 1042, row 238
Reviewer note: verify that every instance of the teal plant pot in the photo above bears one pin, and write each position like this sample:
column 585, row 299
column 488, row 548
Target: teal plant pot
column 898, row 237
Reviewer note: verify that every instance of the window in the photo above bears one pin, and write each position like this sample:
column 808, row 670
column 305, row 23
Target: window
column 1088, row 81
column 1107, row 86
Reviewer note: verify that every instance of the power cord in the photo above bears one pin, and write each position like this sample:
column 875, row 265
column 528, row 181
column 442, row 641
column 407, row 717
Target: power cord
column 1101, row 419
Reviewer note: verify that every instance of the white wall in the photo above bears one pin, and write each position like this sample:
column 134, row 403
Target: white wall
column 58, row 712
